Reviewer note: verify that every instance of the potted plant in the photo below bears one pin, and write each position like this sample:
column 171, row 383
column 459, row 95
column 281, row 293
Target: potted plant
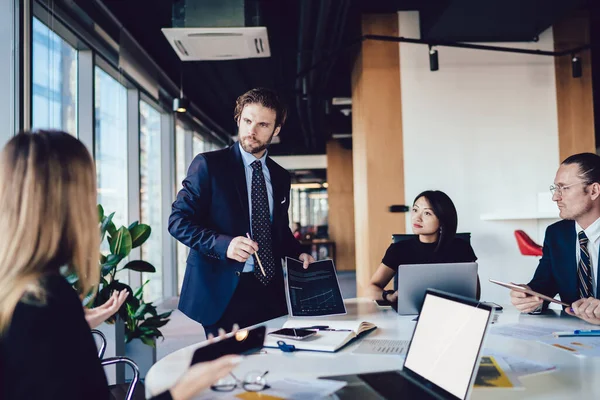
column 140, row 319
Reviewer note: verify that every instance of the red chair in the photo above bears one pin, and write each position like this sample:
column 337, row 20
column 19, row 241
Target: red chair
column 526, row 245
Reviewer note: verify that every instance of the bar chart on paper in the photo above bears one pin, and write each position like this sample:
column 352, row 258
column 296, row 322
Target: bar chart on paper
column 313, row 291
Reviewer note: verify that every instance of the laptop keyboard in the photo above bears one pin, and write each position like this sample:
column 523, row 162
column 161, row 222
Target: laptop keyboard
column 392, row 385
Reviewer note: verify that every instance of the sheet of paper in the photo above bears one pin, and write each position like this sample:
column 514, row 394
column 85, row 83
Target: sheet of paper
column 520, row 366
column 314, row 291
column 523, row 331
column 293, row 389
column 382, row 346
column 495, row 373
column 579, row 346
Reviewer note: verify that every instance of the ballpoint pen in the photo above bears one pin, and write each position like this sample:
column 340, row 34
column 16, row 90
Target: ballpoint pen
column 577, row 332
column 257, row 259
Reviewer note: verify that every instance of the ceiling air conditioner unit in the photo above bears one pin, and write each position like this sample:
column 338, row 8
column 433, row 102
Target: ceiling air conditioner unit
column 210, row 44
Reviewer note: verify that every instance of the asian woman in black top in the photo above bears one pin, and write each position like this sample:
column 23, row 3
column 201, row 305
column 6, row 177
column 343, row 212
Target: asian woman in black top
column 50, row 222
column 434, row 221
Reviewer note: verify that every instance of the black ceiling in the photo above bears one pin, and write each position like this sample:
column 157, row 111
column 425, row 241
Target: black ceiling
column 303, row 32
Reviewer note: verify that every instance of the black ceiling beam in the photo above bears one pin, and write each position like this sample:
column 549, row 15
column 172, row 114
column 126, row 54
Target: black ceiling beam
column 477, row 46
column 441, row 44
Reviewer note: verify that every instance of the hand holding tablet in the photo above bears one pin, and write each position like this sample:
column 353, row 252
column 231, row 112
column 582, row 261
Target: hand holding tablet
column 525, row 289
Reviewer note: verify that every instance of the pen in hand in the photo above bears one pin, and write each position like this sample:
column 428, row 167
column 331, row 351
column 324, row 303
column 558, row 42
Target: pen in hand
column 257, row 259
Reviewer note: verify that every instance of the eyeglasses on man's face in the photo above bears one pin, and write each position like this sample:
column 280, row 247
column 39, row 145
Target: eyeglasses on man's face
column 254, row 381
column 560, row 189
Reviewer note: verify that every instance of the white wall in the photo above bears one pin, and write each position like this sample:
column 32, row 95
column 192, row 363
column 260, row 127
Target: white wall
column 484, row 130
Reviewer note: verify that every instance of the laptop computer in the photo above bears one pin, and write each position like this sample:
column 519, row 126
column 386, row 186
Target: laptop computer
column 442, row 359
column 415, row 279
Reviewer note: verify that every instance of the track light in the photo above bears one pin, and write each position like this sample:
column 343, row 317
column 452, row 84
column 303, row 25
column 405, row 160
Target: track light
column 434, row 64
column 576, row 66
column 180, row 104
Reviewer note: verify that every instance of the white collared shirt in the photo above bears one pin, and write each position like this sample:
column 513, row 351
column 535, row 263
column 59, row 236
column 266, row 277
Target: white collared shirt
column 248, row 160
column 593, row 234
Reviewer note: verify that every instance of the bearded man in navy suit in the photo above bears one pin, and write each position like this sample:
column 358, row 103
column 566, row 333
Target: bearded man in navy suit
column 231, row 212
column 569, row 264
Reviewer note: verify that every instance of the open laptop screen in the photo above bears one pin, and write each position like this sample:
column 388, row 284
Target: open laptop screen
column 445, row 346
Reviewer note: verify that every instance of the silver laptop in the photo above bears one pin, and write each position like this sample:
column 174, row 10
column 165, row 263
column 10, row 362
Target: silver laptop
column 415, row 279
column 443, row 357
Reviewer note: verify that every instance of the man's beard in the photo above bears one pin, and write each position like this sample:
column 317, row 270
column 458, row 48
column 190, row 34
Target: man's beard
column 253, row 150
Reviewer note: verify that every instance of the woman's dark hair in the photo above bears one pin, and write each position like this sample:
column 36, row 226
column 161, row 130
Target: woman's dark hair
column 444, row 209
column 589, row 166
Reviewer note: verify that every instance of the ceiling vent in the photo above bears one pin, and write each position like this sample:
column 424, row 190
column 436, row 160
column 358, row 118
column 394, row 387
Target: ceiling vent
column 217, row 30
column 195, row 44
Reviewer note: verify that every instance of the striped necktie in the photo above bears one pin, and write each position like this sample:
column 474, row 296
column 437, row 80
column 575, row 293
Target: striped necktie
column 584, row 268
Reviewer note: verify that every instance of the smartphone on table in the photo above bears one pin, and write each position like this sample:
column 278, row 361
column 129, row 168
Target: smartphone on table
column 293, row 333
column 244, row 341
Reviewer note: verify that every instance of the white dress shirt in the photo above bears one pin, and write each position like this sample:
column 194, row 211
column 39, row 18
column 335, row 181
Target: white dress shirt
column 248, row 160
column 593, row 234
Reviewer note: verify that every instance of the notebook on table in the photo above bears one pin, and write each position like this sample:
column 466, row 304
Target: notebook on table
column 442, row 359
column 331, row 335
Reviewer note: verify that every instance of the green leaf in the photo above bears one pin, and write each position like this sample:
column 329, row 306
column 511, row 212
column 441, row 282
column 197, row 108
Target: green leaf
column 139, row 291
column 165, row 315
column 111, row 229
column 140, row 312
column 113, row 259
column 102, row 258
column 134, row 223
column 153, row 323
column 139, row 234
column 140, row 266
column 106, row 269
column 121, row 242
column 100, row 213
column 148, row 341
column 104, row 225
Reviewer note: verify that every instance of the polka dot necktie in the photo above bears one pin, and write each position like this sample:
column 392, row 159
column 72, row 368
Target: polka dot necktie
column 261, row 225
column 584, row 269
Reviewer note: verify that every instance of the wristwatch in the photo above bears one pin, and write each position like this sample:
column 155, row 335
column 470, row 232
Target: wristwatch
column 385, row 293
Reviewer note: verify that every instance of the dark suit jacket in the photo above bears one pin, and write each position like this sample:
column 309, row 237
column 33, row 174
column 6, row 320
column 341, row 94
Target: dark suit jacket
column 557, row 271
column 212, row 209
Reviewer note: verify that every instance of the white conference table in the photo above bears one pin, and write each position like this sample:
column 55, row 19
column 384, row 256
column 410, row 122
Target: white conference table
column 575, row 377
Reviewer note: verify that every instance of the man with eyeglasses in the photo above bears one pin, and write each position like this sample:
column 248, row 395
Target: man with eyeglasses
column 569, row 264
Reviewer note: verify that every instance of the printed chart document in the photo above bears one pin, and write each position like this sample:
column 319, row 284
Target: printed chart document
column 578, row 346
column 520, row 366
column 314, row 291
column 492, row 374
column 331, row 335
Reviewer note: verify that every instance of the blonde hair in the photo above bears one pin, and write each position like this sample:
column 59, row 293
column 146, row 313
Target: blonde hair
column 48, row 216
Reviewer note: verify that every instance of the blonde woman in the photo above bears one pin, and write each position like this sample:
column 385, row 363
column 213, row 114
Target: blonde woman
column 49, row 220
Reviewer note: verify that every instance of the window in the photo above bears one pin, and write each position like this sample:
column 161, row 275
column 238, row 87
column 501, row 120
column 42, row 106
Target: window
column 199, row 145
column 150, row 197
column 111, row 146
column 54, row 81
column 180, row 173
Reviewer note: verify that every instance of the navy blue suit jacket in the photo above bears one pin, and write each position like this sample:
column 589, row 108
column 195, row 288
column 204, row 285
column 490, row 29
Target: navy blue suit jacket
column 210, row 210
column 557, row 271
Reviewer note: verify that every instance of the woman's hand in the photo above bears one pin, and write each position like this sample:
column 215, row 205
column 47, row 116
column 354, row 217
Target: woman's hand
column 97, row 315
column 392, row 298
column 201, row 376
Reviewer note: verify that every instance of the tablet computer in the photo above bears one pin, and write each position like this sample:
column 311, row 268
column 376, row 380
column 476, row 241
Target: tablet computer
column 522, row 289
column 244, row 341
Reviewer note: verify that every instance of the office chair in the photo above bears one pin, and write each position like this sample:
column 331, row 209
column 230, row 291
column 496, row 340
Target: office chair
column 118, row 389
column 399, row 237
column 527, row 246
